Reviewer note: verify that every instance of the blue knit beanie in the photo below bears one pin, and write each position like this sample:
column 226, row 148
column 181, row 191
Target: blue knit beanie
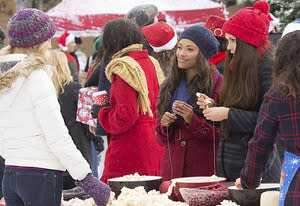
column 203, row 38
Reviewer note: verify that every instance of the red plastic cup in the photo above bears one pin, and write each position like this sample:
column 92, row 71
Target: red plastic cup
column 100, row 98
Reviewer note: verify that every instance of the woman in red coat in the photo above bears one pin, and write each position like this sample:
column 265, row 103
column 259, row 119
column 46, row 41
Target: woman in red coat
column 181, row 128
column 129, row 120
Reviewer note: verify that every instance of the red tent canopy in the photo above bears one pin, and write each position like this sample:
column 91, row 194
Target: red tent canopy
column 87, row 18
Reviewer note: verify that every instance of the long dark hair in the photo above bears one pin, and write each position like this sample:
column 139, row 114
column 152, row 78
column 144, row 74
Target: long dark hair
column 241, row 85
column 119, row 34
column 286, row 69
column 202, row 82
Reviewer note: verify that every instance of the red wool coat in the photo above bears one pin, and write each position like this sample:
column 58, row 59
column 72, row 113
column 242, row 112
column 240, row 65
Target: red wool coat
column 190, row 149
column 132, row 146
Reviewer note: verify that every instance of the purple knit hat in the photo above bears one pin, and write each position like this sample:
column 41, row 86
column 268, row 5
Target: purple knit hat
column 29, row 27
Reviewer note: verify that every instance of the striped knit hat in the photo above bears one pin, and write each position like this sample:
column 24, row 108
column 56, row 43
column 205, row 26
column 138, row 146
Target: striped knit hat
column 29, row 27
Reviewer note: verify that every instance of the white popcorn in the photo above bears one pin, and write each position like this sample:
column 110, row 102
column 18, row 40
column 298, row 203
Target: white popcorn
column 139, row 197
column 228, row 203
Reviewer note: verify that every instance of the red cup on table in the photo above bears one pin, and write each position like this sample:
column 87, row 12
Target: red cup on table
column 100, row 98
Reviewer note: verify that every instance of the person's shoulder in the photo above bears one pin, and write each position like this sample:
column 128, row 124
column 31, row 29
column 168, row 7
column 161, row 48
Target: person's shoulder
column 275, row 94
column 39, row 75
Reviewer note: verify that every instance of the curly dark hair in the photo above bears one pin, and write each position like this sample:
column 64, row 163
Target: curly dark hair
column 242, row 76
column 202, row 82
column 119, row 34
column 286, row 69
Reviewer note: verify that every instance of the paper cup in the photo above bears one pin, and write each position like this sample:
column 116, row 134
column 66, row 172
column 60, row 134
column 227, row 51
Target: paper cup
column 100, row 98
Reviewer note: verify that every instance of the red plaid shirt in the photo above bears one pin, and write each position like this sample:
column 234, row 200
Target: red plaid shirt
column 278, row 115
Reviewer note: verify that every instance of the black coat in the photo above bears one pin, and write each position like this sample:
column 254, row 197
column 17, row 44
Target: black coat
column 241, row 124
column 78, row 131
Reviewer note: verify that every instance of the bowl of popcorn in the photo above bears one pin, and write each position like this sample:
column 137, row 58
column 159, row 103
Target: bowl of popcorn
column 210, row 195
column 193, row 182
column 134, row 180
column 251, row 197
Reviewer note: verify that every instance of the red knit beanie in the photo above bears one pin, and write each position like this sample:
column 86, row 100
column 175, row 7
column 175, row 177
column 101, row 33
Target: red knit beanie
column 250, row 24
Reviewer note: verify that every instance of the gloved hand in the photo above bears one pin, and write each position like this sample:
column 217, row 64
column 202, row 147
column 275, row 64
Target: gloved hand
column 99, row 191
column 96, row 108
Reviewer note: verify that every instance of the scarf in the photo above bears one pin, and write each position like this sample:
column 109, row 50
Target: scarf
column 132, row 73
column 217, row 58
column 181, row 93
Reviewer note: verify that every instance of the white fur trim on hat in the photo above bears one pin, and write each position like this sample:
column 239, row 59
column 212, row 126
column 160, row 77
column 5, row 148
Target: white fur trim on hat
column 170, row 45
column 273, row 23
column 69, row 39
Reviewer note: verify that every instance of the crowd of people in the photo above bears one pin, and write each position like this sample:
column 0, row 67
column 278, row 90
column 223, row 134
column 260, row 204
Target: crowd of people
column 220, row 98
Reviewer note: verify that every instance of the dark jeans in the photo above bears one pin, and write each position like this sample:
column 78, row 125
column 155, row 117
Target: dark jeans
column 1, row 174
column 30, row 187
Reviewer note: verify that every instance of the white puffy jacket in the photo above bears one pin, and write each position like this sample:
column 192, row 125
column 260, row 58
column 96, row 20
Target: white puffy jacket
column 32, row 130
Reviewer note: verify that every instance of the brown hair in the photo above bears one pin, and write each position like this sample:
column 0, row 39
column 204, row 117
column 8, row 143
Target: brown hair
column 165, row 59
column 241, row 85
column 286, row 69
column 60, row 63
column 202, row 82
column 119, row 34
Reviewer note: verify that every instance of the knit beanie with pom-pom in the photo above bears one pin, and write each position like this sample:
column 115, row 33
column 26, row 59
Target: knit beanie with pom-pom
column 29, row 27
column 250, row 24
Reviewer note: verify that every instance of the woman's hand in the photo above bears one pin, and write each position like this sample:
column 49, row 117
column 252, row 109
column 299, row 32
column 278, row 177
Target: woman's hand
column 167, row 119
column 216, row 113
column 183, row 109
column 204, row 101
column 92, row 130
column 238, row 183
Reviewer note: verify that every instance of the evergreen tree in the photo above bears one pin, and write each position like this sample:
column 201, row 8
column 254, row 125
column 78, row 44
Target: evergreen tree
column 286, row 10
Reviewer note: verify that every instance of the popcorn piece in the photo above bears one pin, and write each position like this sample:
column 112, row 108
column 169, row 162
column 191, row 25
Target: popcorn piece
column 228, row 203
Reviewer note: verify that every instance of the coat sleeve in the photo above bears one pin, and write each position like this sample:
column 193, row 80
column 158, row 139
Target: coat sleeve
column 162, row 133
column 261, row 145
column 124, row 113
column 240, row 120
column 198, row 128
column 47, row 111
column 73, row 70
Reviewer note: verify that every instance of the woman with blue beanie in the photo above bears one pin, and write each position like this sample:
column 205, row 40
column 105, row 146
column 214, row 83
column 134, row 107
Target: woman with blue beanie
column 34, row 140
column 181, row 128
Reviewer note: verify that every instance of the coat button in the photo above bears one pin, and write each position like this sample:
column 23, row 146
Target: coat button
column 183, row 143
column 203, row 131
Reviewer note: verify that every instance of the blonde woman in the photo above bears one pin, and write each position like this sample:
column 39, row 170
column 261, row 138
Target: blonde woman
column 34, row 140
column 68, row 98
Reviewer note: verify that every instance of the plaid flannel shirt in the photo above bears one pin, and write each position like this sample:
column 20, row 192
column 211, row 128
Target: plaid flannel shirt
column 278, row 115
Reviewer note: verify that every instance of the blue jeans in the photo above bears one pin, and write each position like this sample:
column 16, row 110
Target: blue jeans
column 95, row 161
column 29, row 187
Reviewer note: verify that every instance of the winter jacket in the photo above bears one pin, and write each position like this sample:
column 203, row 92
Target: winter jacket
column 189, row 148
column 32, row 130
column 73, row 66
column 132, row 146
column 278, row 115
column 241, row 124
column 103, row 84
column 79, row 132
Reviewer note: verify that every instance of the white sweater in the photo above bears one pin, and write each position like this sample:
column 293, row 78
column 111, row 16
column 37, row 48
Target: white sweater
column 32, row 130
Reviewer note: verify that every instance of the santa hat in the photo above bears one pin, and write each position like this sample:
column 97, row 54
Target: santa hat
column 160, row 35
column 293, row 26
column 250, row 24
column 215, row 24
column 275, row 22
column 65, row 39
